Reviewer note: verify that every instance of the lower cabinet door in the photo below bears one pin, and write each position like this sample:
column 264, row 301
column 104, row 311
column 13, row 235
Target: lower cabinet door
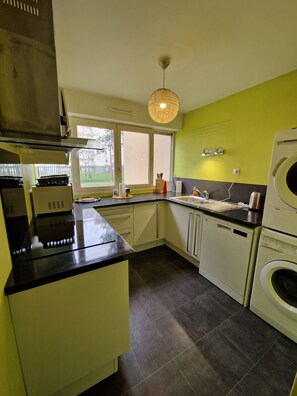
column 179, row 226
column 145, row 223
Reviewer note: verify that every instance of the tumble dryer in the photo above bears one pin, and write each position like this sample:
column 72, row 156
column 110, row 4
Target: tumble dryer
column 274, row 292
column 280, row 211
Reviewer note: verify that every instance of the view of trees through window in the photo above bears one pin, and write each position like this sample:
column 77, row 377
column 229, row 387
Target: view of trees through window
column 128, row 154
column 97, row 167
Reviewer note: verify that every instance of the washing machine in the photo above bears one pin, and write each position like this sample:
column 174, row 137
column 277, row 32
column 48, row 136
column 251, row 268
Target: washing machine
column 274, row 292
column 280, row 210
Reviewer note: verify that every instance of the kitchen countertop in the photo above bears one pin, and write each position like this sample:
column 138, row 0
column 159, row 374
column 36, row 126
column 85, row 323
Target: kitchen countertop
column 241, row 216
column 30, row 270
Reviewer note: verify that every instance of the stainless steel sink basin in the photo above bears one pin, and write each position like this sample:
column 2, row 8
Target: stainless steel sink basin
column 189, row 199
column 208, row 204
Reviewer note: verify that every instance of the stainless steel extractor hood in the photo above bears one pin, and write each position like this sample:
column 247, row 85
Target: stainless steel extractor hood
column 30, row 110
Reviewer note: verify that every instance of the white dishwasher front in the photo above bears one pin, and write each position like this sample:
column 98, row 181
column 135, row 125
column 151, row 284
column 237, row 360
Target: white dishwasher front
column 227, row 256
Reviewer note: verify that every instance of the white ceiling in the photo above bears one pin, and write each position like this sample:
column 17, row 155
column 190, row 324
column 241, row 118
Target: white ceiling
column 218, row 47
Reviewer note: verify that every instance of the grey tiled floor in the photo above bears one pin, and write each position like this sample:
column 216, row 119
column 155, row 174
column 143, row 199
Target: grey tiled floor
column 190, row 338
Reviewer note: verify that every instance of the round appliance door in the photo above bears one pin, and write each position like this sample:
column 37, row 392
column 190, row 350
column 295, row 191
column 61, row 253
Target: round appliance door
column 285, row 174
column 279, row 282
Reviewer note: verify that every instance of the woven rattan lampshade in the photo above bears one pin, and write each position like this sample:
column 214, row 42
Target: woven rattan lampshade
column 163, row 104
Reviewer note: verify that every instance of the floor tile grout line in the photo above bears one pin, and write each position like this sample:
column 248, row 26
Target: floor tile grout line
column 169, row 311
column 158, row 369
column 174, row 359
column 138, row 365
column 180, row 306
column 285, row 357
column 182, row 373
column 256, row 362
column 194, row 342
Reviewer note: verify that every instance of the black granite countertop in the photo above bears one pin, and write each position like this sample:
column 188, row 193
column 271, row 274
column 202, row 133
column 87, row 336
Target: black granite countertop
column 41, row 266
column 241, row 216
column 95, row 244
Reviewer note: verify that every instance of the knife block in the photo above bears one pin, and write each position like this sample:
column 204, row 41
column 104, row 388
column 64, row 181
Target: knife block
column 160, row 186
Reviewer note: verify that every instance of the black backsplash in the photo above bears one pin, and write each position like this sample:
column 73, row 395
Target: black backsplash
column 239, row 192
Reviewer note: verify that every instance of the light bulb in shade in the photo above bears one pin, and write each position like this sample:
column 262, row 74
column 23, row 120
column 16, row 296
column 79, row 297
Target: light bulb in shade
column 163, row 105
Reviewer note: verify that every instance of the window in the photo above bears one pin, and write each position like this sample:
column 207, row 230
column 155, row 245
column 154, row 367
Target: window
column 10, row 170
column 97, row 167
column 130, row 155
column 135, row 157
column 163, row 155
column 94, row 170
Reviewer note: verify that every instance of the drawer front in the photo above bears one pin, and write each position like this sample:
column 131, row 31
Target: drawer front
column 118, row 218
column 120, row 221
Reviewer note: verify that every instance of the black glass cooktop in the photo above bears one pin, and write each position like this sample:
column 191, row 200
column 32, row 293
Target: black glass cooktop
column 52, row 235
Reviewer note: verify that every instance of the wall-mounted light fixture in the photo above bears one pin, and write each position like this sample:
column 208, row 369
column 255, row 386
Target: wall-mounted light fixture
column 207, row 153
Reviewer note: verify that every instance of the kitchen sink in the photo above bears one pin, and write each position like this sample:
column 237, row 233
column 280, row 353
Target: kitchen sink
column 190, row 199
column 208, row 204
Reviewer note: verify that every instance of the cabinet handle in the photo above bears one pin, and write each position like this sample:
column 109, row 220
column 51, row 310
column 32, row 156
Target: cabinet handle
column 195, row 250
column 157, row 231
column 188, row 234
column 223, row 227
column 125, row 233
column 121, row 217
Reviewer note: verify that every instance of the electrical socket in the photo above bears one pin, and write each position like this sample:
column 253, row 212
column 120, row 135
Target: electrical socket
column 236, row 171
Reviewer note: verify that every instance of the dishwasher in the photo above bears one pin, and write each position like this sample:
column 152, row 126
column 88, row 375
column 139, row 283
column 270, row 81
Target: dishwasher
column 227, row 258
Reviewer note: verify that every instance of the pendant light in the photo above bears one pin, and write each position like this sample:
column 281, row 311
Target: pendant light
column 163, row 104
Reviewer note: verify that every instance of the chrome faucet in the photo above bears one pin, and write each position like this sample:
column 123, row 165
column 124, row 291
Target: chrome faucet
column 198, row 193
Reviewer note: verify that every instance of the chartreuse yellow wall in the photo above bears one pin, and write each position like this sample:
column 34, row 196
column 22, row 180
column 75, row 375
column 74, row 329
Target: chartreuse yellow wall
column 11, row 382
column 244, row 124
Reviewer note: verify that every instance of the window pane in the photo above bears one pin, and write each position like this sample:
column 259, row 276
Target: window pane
column 10, row 170
column 135, row 157
column 97, row 167
column 162, row 155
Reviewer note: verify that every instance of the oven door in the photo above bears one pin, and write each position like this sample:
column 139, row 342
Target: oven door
column 285, row 176
column 279, row 282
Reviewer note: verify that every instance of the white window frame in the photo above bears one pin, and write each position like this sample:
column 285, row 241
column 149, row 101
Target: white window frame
column 77, row 189
column 171, row 152
column 117, row 128
column 149, row 132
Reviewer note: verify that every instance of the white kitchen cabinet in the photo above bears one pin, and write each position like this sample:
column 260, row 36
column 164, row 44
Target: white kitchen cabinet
column 148, row 223
column 70, row 332
column 121, row 219
column 183, row 230
column 227, row 256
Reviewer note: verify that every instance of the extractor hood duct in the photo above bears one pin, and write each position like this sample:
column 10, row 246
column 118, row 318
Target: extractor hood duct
column 30, row 113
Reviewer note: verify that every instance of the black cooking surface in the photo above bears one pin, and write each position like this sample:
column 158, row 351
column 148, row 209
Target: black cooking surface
column 59, row 234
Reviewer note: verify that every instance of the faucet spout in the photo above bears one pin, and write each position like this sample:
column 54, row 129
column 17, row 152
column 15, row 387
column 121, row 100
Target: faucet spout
column 196, row 192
